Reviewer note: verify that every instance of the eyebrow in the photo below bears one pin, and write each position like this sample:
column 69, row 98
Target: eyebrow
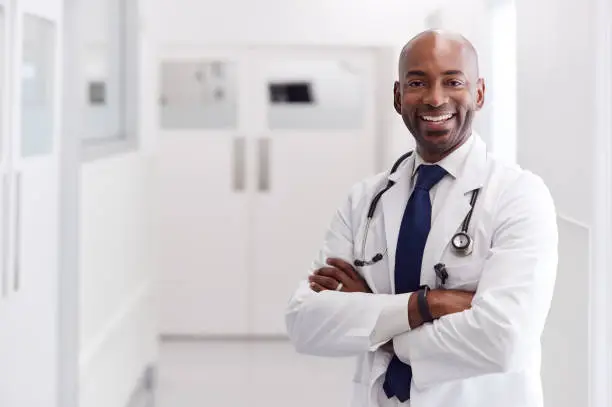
column 423, row 74
column 415, row 73
column 454, row 72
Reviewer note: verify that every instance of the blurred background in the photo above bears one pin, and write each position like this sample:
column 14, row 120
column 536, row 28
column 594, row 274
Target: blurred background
column 168, row 169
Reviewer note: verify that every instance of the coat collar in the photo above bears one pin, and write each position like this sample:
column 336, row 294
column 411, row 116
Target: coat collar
column 470, row 175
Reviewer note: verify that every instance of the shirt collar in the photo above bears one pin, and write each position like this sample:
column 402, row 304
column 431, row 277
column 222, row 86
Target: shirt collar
column 452, row 163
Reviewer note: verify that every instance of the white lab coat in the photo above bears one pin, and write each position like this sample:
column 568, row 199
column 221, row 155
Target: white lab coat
column 486, row 356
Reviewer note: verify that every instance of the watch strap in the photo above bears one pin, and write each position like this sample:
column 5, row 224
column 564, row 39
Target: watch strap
column 423, row 305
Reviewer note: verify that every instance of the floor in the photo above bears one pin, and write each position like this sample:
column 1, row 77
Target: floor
column 241, row 374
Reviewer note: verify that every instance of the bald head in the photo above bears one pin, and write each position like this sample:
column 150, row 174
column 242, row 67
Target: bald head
column 438, row 91
column 439, row 41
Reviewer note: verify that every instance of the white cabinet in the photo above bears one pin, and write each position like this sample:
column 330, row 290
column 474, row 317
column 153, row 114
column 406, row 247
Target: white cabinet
column 258, row 148
column 31, row 98
column 202, row 195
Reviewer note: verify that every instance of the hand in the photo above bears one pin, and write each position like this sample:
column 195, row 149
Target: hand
column 328, row 278
column 445, row 302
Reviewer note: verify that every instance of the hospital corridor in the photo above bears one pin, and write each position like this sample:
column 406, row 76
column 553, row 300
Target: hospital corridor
column 305, row 203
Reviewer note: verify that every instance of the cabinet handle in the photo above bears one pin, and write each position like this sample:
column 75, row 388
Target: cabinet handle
column 17, row 264
column 264, row 164
column 239, row 163
column 5, row 232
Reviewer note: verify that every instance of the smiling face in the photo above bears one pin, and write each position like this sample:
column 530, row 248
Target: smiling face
column 438, row 92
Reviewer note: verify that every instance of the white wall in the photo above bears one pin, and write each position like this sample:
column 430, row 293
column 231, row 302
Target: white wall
column 268, row 22
column 117, row 308
column 118, row 330
column 558, row 137
column 281, row 22
column 557, row 126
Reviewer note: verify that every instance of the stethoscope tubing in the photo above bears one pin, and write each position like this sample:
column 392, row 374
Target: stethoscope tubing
column 372, row 209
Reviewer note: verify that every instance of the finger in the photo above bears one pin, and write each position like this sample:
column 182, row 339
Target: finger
column 336, row 274
column 324, row 281
column 316, row 287
column 344, row 266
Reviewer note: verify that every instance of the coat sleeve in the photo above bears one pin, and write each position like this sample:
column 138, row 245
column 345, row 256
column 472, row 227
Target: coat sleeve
column 333, row 323
column 511, row 304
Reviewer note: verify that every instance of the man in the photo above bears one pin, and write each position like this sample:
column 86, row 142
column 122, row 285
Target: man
column 473, row 340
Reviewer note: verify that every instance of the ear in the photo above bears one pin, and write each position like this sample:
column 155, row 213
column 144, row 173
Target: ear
column 397, row 97
column 480, row 93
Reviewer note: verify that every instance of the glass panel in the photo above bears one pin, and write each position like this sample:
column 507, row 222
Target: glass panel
column 305, row 95
column 198, row 95
column 37, row 86
column 105, row 47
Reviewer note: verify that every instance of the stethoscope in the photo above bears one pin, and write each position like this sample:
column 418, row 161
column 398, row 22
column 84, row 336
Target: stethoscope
column 461, row 242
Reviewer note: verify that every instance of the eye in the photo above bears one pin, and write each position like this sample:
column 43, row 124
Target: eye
column 415, row 84
column 455, row 83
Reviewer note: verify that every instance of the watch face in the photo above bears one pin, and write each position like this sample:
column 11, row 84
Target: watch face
column 461, row 241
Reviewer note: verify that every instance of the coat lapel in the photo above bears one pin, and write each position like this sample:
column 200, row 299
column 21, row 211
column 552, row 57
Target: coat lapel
column 393, row 205
column 456, row 206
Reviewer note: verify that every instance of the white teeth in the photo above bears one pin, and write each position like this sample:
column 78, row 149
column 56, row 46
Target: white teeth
column 437, row 118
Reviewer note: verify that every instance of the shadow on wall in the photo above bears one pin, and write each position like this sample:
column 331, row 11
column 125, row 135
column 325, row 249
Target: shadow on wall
column 567, row 326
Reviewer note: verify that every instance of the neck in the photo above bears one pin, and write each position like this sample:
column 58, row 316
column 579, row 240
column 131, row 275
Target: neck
column 433, row 156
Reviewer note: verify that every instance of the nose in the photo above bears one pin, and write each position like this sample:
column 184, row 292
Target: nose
column 435, row 96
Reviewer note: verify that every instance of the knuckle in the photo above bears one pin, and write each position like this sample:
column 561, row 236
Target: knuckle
column 322, row 281
column 330, row 282
column 324, row 271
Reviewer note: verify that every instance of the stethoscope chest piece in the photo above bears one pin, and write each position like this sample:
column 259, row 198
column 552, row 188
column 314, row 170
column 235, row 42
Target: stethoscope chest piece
column 462, row 243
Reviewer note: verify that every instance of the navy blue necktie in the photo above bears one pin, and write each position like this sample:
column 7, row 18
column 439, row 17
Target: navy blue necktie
column 411, row 240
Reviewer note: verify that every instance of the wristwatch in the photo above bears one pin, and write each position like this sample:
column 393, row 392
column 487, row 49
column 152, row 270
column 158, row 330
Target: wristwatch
column 423, row 305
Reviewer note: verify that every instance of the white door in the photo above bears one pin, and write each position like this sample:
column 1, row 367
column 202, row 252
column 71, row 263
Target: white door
column 31, row 270
column 316, row 138
column 249, row 180
column 202, row 200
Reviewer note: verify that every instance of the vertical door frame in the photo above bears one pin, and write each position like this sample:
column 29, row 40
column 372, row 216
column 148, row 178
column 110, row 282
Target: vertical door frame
column 69, row 208
column 498, row 82
column 600, row 284
column 5, row 141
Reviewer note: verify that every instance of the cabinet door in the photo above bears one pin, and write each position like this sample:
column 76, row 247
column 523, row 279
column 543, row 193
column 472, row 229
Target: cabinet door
column 317, row 139
column 30, row 289
column 202, row 193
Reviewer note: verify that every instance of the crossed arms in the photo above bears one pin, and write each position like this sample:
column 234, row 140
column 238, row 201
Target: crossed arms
column 441, row 302
column 494, row 331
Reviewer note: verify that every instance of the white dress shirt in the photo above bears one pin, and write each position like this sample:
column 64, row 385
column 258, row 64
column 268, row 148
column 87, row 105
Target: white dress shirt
column 393, row 319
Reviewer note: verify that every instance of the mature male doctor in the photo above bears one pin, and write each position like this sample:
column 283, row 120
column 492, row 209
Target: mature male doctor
column 441, row 285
